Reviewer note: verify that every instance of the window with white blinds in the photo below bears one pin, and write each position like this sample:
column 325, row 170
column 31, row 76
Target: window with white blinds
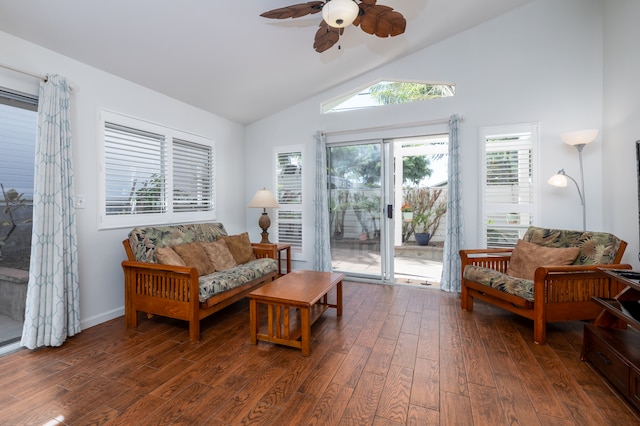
column 153, row 174
column 192, row 176
column 508, row 192
column 288, row 171
column 135, row 171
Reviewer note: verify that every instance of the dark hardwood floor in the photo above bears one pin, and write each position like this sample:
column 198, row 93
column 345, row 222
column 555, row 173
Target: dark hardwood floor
column 398, row 355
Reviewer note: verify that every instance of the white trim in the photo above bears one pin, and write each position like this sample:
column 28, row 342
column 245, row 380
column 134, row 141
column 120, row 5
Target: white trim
column 103, row 317
column 11, row 347
column 389, row 127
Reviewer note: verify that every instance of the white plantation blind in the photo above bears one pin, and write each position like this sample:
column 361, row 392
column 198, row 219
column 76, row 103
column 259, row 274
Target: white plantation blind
column 152, row 174
column 135, row 169
column 192, row 176
column 508, row 184
column 290, row 229
column 288, row 172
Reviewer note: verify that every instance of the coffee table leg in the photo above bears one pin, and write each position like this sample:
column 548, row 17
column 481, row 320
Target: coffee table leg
column 253, row 321
column 339, row 298
column 306, row 331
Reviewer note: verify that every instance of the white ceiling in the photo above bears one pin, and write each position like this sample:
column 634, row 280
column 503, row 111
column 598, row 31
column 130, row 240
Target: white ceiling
column 220, row 55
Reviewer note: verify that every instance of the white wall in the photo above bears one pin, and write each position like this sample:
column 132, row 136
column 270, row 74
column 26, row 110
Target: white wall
column 539, row 63
column 101, row 279
column 621, row 128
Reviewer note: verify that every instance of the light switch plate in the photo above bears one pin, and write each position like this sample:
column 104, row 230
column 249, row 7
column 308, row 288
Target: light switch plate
column 78, row 201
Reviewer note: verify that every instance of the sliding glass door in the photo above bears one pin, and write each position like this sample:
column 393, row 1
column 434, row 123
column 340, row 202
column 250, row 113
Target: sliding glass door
column 385, row 196
column 356, row 201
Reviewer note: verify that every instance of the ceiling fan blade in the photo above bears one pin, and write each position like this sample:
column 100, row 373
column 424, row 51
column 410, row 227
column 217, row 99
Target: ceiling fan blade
column 380, row 20
column 326, row 37
column 295, row 10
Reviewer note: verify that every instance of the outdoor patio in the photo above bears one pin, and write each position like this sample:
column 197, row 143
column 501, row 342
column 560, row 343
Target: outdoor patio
column 414, row 265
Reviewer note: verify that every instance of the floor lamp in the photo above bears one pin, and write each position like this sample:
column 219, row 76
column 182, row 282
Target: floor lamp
column 578, row 139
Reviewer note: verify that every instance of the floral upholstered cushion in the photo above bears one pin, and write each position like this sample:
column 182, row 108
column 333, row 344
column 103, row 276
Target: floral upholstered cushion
column 144, row 240
column 596, row 248
column 495, row 279
column 226, row 280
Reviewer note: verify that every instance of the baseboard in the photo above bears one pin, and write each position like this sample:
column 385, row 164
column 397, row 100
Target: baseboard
column 84, row 324
column 11, row 347
column 99, row 319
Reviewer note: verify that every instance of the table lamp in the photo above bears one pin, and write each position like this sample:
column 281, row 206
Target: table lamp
column 264, row 199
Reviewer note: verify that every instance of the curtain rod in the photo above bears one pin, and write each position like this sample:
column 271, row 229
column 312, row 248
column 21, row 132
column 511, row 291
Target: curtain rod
column 41, row 77
column 391, row 127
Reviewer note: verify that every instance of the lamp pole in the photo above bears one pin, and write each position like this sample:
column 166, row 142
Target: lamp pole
column 579, row 139
column 580, row 193
column 579, row 147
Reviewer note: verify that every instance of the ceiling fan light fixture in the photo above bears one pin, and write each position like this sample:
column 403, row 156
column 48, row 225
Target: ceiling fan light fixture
column 340, row 13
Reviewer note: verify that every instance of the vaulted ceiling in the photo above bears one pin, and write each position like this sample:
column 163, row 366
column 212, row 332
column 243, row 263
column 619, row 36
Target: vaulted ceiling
column 223, row 57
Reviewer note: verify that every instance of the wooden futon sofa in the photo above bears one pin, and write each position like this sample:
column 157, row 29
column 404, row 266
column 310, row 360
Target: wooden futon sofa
column 175, row 271
column 551, row 275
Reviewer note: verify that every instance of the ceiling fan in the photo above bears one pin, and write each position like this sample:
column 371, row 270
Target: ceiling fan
column 372, row 18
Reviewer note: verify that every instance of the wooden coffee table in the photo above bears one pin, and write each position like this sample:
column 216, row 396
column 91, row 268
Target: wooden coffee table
column 305, row 292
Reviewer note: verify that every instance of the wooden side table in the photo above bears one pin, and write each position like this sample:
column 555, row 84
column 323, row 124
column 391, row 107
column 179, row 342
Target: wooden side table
column 286, row 248
column 280, row 249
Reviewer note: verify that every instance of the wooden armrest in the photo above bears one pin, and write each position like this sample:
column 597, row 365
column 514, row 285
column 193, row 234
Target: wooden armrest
column 489, row 251
column 544, row 271
column 496, row 258
column 159, row 267
column 574, row 283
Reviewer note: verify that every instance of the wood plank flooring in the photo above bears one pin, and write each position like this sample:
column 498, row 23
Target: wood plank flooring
column 397, row 356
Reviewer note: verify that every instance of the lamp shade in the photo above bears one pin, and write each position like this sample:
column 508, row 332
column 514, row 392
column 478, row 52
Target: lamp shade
column 264, row 199
column 559, row 180
column 340, row 13
column 579, row 137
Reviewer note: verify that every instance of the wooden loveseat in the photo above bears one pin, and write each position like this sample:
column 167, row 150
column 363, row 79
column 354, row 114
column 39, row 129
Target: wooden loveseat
column 156, row 283
column 541, row 292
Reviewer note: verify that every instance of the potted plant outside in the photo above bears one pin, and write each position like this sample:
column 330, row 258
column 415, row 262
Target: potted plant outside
column 407, row 212
column 422, row 222
column 429, row 207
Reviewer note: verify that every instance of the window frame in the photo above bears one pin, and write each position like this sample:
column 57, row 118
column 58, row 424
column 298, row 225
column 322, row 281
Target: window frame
column 488, row 208
column 107, row 221
column 22, row 183
column 360, row 97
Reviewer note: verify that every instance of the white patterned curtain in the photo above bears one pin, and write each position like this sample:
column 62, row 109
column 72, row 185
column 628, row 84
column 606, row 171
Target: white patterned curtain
column 454, row 239
column 322, row 244
column 52, row 309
